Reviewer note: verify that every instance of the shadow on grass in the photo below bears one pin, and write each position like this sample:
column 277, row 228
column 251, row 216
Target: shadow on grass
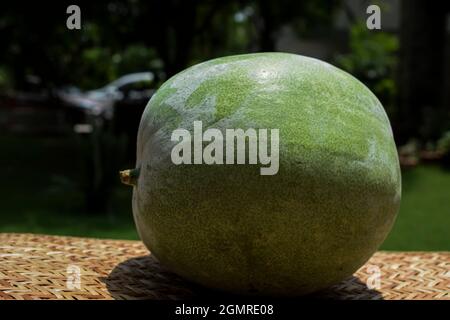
column 145, row 278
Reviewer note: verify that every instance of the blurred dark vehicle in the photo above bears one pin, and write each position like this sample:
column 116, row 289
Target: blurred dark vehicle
column 106, row 121
column 121, row 101
column 119, row 105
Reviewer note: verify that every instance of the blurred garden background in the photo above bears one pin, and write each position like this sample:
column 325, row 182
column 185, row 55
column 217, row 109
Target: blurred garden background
column 71, row 100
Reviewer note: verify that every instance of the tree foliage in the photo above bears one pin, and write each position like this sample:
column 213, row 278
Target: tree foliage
column 122, row 36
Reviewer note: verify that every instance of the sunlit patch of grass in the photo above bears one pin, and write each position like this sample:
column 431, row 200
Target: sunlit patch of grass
column 424, row 219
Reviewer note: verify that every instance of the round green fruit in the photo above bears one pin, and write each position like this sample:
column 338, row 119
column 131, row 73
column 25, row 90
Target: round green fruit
column 328, row 207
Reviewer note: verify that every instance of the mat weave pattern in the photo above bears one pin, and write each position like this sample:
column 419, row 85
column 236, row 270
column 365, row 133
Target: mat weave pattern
column 52, row 267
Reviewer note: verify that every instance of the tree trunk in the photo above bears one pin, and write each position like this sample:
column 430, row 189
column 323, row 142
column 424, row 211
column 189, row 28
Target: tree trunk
column 421, row 76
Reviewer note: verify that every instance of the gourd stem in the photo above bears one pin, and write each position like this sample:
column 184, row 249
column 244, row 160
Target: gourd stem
column 129, row 177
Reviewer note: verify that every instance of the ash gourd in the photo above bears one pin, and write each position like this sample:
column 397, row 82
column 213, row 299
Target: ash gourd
column 330, row 205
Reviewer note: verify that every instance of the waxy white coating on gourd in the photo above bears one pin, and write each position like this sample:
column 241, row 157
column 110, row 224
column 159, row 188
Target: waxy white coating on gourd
column 331, row 205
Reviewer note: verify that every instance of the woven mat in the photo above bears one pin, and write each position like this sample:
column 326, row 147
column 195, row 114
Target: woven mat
column 52, row 267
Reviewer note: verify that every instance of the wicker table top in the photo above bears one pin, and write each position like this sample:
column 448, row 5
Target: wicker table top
column 46, row 267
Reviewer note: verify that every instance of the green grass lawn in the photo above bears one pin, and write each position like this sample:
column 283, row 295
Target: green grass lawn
column 40, row 194
column 423, row 222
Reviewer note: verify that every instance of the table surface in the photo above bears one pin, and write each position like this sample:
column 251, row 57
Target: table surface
column 54, row 267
